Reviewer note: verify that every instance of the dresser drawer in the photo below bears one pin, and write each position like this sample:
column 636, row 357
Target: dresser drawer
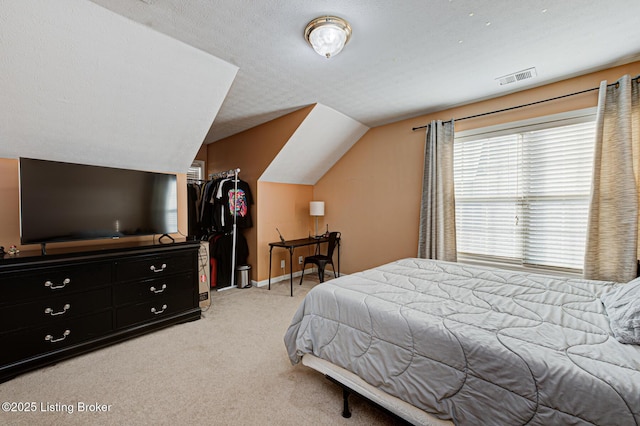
column 62, row 334
column 135, row 292
column 52, row 281
column 147, row 267
column 155, row 310
column 51, row 310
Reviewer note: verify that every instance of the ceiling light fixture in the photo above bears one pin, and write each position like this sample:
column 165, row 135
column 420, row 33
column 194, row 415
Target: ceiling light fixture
column 328, row 35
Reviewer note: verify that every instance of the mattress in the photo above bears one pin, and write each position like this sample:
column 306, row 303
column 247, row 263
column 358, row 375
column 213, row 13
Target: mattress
column 475, row 344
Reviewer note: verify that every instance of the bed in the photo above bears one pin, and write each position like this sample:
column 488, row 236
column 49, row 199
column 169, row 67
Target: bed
column 471, row 345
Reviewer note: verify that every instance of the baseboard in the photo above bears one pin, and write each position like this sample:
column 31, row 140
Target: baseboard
column 286, row 277
column 279, row 278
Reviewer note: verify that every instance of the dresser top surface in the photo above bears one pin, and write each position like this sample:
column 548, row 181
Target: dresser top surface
column 94, row 251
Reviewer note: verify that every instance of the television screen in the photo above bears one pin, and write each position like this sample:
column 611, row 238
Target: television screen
column 68, row 202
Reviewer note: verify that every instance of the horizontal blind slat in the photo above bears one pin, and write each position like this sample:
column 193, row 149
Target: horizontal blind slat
column 525, row 195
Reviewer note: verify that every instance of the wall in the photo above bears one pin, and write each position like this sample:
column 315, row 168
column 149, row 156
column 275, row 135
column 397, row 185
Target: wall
column 286, row 207
column 10, row 212
column 373, row 193
column 202, row 155
column 85, row 85
column 252, row 152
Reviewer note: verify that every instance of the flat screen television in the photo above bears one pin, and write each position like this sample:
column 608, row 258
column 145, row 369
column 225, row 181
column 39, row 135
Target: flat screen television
column 70, row 202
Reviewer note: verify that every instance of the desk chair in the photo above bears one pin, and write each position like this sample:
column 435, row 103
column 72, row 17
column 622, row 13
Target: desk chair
column 321, row 260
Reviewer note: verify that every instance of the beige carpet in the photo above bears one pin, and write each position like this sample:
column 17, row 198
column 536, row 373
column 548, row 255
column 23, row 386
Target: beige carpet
column 229, row 368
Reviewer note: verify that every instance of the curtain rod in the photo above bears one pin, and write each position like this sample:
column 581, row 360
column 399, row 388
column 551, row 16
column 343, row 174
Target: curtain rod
column 520, row 106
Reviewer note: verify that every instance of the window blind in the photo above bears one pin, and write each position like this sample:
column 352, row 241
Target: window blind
column 196, row 170
column 522, row 196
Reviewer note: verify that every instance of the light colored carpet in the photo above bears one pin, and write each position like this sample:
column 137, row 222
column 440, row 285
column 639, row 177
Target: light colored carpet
column 229, row 368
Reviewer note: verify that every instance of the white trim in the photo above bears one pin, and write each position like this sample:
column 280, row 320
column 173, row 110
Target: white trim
column 277, row 279
column 523, row 127
column 403, row 409
column 286, row 277
column 538, row 123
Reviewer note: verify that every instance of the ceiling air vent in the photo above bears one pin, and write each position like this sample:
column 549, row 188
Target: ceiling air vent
column 517, row 76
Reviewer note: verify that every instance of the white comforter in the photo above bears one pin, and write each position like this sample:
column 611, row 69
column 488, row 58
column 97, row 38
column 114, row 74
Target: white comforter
column 475, row 345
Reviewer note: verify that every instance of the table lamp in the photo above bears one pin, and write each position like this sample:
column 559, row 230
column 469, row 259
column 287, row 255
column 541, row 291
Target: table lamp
column 316, row 208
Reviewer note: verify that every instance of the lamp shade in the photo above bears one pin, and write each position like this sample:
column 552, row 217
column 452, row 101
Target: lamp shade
column 316, row 208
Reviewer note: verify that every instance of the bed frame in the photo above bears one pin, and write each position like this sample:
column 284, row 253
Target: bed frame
column 352, row 384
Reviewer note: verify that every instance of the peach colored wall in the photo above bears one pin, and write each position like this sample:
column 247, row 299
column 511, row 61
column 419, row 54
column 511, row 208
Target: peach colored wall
column 202, row 155
column 372, row 193
column 252, row 151
column 286, row 207
column 10, row 212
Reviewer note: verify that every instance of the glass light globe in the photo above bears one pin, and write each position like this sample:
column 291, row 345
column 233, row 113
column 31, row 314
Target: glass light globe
column 328, row 35
column 328, row 40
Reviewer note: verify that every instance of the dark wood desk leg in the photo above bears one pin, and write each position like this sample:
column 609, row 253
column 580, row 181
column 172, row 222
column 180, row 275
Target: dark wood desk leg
column 270, row 252
column 291, row 269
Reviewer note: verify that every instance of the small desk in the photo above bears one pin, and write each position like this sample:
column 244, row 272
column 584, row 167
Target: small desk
column 291, row 245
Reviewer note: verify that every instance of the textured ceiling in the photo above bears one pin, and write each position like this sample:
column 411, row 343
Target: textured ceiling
column 405, row 58
column 82, row 84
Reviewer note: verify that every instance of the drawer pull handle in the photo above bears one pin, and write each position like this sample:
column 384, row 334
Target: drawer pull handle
column 156, row 291
column 162, row 268
column 55, row 287
column 49, row 338
column 64, row 310
column 157, row 312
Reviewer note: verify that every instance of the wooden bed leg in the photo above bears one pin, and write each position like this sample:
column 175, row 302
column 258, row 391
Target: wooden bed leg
column 346, row 413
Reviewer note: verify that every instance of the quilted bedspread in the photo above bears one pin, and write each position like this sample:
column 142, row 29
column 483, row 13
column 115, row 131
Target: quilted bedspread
column 476, row 345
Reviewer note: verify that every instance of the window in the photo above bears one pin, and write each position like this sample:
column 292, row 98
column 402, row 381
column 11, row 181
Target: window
column 522, row 192
column 196, row 171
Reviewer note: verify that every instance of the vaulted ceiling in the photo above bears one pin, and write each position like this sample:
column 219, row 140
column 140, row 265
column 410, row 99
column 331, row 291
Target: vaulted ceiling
column 143, row 83
column 405, row 58
column 82, row 84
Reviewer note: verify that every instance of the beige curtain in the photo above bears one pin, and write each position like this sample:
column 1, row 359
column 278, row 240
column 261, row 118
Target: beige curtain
column 437, row 237
column 612, row 236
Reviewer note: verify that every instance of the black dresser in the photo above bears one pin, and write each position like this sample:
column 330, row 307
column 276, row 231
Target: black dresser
column 57, row 306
